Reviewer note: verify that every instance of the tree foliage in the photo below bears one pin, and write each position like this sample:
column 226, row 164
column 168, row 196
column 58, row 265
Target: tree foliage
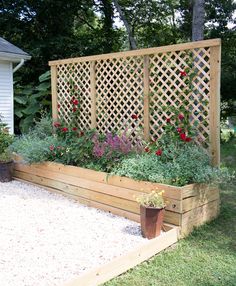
column 49, row 30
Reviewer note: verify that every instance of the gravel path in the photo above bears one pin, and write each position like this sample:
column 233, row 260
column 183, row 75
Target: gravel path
column 47, row 239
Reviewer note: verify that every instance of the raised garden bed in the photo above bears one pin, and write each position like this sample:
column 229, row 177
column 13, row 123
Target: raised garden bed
column 188, row 206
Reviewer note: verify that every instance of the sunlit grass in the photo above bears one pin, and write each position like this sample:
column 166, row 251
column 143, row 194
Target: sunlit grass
column 207, row 257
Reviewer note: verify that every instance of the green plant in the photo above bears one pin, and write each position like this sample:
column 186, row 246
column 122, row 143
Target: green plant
column 5, row 141
column 33, row 149
column 30, row 101
column 34, row 146
column 191, row 165
column 154, row 199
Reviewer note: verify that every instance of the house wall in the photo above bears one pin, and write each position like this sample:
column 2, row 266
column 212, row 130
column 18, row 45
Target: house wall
column 6, row 94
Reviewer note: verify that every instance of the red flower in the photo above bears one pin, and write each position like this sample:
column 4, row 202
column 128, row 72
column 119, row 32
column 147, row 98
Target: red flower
column 146, row 149
column 58, row 106
column 159, row 152
column 168, row 120
column 179, row 129
column 188, row 139
column 56, row 124
column 181, row 116
column 75, row 101
column 134, row 116
column 183, row 73
column 74, row 109
column 51, row 148
column 81, row 133
column 74, row 128
column 182, row 136
column 65, row 129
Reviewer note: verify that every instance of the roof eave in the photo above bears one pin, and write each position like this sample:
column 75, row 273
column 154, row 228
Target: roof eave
column 13, row 57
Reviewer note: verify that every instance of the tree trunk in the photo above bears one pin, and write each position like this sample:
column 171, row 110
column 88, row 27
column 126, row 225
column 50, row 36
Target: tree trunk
column 198, row 20
column 107, row 26
column 132, row 41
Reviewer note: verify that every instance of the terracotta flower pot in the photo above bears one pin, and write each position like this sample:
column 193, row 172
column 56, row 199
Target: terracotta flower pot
column 6, row 171
column 151, row 221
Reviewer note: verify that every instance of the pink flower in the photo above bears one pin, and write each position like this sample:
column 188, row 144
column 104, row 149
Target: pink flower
column 179, row 129
column 74, row 109
column 58, row 106
column 183, row 73
column 181, row 116
column 51, row 148
column 134, row 116
column 56, row 124
column 159, row 152
column 182, row 136
column 75, row 101
column 65, row 129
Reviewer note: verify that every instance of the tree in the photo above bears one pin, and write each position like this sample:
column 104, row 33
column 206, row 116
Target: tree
column 132, row 41
column 198, row 20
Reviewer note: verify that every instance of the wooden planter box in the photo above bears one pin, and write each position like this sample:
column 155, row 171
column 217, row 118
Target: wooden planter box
column 188, row 206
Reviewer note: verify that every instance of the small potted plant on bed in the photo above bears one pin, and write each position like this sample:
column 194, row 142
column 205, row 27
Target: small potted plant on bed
column 152, row 206
column 6, row 162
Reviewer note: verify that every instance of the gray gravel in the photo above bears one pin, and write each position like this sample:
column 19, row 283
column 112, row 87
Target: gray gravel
column 47, row 239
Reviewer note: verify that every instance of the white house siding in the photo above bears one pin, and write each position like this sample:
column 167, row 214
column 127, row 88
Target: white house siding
column 6, row 94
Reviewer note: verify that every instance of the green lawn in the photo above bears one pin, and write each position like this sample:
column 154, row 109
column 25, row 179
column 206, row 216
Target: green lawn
column 207, row 257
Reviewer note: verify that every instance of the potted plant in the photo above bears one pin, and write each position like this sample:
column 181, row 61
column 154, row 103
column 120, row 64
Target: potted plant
column 6, row 162
column 152, row 208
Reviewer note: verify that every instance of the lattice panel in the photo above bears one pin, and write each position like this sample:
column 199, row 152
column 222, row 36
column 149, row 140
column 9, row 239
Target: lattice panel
column 119, row 88
column 180, row 79
column 129, row 90
column 74, row 83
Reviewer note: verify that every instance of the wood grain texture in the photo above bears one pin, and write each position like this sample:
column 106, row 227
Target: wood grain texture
column 118, row 194
column 149, row 51
column 125, row 262
column 215, row 70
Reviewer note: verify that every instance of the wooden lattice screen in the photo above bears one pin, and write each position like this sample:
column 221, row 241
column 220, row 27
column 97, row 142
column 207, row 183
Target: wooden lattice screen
column 113, row 88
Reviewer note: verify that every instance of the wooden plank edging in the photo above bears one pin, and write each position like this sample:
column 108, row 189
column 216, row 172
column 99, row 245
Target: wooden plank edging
column 125, row 262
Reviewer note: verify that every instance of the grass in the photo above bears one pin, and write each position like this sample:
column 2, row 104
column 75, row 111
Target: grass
column 207, row 257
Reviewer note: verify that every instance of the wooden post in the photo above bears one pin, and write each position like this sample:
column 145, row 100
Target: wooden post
column 93, row 94
column 54, row 93
column 146, row 98
column 214, row 108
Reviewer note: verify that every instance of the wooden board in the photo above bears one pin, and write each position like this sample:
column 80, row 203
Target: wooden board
column 198, row 216
column 187, row 206
column 149, row 51
column 122, row 264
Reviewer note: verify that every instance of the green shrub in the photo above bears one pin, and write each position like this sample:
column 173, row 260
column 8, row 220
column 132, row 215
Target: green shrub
column 33, row 149
column 191, row 165
column 5, row 141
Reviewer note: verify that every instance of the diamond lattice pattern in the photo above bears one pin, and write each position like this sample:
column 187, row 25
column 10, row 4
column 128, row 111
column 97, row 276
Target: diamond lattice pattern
column 171, row 87
column 74, row 83
column 119, row 87
column 120, row 91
